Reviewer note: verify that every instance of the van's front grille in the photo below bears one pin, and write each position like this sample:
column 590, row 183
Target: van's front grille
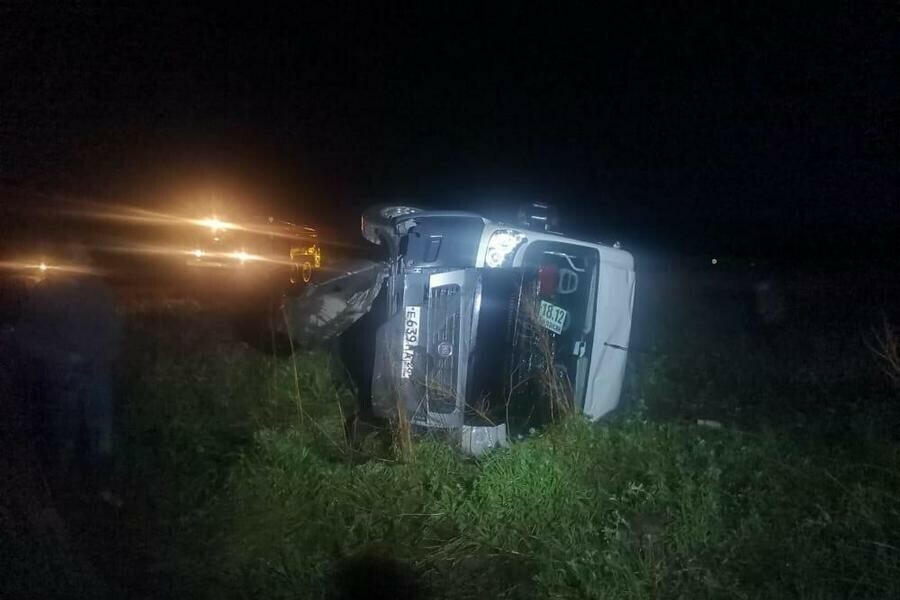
column 443, row 348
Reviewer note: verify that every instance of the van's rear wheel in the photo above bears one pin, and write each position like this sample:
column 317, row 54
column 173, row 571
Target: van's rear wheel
column 301, row 273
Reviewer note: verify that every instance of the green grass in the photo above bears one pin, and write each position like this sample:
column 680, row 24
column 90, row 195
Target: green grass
column 252, row 481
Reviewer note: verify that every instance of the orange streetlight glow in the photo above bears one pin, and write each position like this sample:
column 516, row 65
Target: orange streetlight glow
column 214, row 224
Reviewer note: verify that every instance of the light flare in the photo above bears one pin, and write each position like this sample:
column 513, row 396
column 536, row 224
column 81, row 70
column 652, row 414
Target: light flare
column 215, row 224
column 39, row 269
column 241, row 256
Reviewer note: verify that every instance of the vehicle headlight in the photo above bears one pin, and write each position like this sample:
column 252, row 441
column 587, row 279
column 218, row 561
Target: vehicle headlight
column 502, row 246
column 214, row 224
column 241, row 256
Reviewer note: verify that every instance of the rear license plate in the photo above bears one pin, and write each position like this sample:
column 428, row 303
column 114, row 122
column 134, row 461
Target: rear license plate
column 410, row 340
column 553, row 317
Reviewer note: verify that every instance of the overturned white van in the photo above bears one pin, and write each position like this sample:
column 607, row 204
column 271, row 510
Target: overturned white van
column 480, row 318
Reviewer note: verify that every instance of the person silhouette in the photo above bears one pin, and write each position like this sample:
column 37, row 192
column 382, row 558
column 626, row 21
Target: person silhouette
column 71, row 331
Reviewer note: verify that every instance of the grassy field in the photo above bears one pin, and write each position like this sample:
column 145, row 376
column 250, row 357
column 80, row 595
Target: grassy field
column 254, row 492
column 240, row 485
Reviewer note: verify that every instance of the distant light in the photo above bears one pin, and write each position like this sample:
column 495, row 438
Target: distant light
column 715, row 261
column 241, row 256
column 214, row 224
column 198, row 253
column 42, row 266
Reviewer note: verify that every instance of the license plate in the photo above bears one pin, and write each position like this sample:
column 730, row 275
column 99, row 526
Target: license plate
column 410, row 340
column 553, row 317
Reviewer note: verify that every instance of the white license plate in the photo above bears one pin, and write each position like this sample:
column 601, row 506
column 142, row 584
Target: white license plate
column 410, row 340
column 553, row 317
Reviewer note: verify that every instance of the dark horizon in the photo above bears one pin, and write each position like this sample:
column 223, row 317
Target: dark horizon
column 728, row 129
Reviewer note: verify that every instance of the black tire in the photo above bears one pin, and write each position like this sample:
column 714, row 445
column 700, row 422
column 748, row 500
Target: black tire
column 306, row 272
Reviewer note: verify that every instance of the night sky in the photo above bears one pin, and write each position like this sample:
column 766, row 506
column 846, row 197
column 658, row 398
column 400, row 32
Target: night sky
column 733, row 127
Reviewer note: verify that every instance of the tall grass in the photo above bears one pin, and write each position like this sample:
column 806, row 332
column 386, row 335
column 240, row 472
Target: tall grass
column 886, row 348
column 266, row 506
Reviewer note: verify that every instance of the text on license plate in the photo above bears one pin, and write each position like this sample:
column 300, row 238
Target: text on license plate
column 410, row 340
column 552, row 317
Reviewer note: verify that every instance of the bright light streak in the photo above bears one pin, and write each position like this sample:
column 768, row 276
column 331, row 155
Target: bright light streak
column 125, row 214
column 40, row 269
column 139, row 216
column 215, row 224
column 175, row 251
column 145, row 249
